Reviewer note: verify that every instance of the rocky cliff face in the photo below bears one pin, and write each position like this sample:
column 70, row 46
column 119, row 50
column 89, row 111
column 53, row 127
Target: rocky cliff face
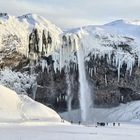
column 32, row 45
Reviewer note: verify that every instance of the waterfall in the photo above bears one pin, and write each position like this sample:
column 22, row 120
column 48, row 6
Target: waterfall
column 85, row 93
column 69, row 94
column 34, row 89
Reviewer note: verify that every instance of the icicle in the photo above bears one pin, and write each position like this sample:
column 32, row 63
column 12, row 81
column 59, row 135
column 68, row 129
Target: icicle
column 88, row 70
column 131, row 70
column 48, row 69
column 91, row 72
column 74, row 67
column 105, row 80
column 40, row 44
column 34, row 89
column 61, row 58
column 57, row 99
column 94, row 70
column 139, row 60
column 119, row 67
column 43, row 65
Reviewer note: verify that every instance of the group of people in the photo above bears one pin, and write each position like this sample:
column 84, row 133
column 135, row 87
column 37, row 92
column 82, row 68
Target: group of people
column 106, row 124
column 98, row 123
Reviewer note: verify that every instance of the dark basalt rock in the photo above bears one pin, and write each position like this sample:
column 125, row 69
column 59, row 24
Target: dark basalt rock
column 109, row 93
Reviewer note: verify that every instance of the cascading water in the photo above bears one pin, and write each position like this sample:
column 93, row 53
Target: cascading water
column 34, row 89
column 85, row 93
column 69, row 96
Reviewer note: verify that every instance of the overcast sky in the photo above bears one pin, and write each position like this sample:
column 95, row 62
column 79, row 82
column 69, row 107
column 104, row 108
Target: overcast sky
column 74, row 13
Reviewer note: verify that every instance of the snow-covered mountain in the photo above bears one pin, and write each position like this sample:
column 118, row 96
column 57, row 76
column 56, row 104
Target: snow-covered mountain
column 15, row 31
column 40, row 50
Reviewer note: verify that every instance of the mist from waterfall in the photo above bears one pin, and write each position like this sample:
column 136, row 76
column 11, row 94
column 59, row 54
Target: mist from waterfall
column 84, row 90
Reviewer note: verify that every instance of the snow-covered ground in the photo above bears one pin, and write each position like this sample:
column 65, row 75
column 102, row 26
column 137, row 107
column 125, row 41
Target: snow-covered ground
column 32, row 131
column 21, row 118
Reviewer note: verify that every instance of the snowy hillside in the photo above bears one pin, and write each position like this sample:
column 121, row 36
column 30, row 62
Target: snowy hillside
column 23, row 108
column 124, row 27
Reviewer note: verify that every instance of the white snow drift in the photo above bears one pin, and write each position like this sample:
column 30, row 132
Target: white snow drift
column 23, row 108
